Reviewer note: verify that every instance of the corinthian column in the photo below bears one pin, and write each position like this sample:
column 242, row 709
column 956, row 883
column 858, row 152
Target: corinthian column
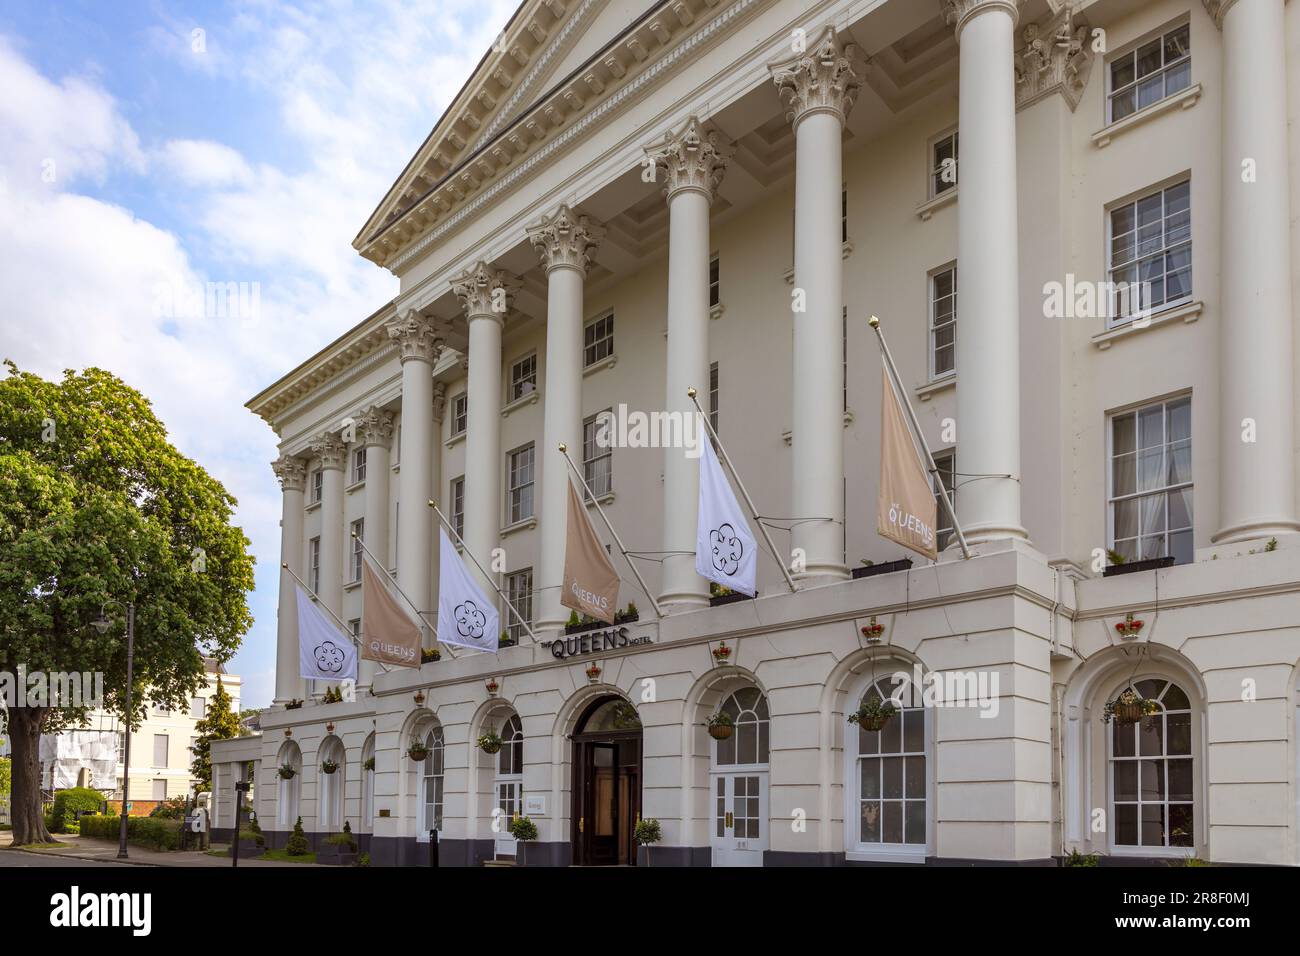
column 1257, row 418
column 375, row 432
column 420, row 347
column 566, row 243
column 333, row 456
column 988, row 342
column 819, row 88
column 292, row 473
column 693, row 161
column 485, row 294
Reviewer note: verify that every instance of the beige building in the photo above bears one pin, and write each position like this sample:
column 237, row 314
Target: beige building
column 629, row 198
column 161, row 749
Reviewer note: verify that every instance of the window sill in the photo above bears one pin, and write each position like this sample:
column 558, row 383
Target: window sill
column 312, row 506
column 1185, row 99
column 455, row 439
column 354, row 486
column 715, row 311
column 887, row 855
column 932, row 205
column 604, row 499
column 930, row 389
column 520, row 402
column 788, row 434
column 1188, row 312
column 846, row 250
column 526, row 525
column 351, row 585
column 607, row 362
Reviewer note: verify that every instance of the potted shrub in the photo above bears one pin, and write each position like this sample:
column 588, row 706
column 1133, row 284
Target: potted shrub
column 1128, row 708
column 489, row 742
column 286, row 771
column 418, row 751
column 297, row 844
column 332, row 695
column 873, row 713
column 648, row 833
column 576, row 625
column 430, row 654
column 329, row 766
column 1121, row 565
column 721, row 653
column 719, row 595
column 251, row 843
column 505, row 640
column 293, row 705
column 870, row 569
column 338, row 849
column 523, row 830
column 721, row 726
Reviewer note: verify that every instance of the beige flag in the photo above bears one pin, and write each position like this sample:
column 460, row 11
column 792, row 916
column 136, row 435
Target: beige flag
column 590, row 581
column 906, row 511
column 388, row 633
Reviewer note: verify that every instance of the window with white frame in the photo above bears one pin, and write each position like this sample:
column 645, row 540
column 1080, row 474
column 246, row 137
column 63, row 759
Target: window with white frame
column 597, row 457
column 317, row 484
column 715, row 284
column 509, row 783
column 1151, row 481
column 519, row 592
column 713, row 396
column 1151, row 770
column 598, row 339
column 943, row 322
column 313, row 564
column 523, row 377
column 358, row 549
column 519, row 484
column 458, row 505
column 354, row 626
column 750, row 740
column 1149, row 73
column 159, row 791
column 945, row 463
column 160, row 750
column 459, row 414
column 358, row 464
column 121, row 746
column 1151, row 252
column 431, row 782
column 198, row 708
column 890, row 779
column 943, row 164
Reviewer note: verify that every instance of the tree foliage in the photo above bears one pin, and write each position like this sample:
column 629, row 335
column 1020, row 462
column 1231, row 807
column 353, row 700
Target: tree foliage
column 218, row 723
column 98, row 509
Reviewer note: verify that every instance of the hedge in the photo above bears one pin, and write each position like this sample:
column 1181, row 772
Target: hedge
column 68, row 803
column 155, row 833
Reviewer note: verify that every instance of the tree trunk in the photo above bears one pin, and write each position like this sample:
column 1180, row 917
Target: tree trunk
column 25, row 798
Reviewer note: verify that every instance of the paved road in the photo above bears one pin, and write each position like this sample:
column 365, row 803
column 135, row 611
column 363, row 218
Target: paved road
column 16, row 858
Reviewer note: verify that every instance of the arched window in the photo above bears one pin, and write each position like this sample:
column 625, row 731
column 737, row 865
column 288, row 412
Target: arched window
column 739, row 832
column 330, row 812
column 889, row 774
column 509, row 783
column 1151, row 770
column 368, row 784
column 287, row 790
column 748, row 744
column 431, row 782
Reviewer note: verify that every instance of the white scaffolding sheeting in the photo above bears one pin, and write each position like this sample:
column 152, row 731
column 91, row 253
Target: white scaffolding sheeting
column 72, row 751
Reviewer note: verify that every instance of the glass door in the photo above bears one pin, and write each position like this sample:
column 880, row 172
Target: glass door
column 508, row 800
column 739, row 832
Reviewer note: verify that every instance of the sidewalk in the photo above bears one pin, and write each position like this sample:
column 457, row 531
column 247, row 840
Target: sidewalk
column 78, row 848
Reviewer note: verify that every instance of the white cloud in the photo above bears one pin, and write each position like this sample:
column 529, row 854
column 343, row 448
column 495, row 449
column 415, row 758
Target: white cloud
column 201, row 162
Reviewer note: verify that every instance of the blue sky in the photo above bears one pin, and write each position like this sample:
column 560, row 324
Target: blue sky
column 148, row 148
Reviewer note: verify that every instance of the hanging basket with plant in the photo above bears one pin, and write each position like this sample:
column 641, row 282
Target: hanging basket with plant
column 721, row 726
column 1128, row 708
column 286, row 772
column 489, row 742
column 873, row 714
column 369, row 764
column 418, row 751
column 329, row 766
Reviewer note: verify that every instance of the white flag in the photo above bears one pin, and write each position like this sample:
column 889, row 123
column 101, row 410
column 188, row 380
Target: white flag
column 323, row 652
column 465, row 617
column 725, row 550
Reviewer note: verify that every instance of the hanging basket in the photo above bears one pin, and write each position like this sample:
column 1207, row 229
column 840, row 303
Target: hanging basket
column 876, row 723
column 286, row 772
column 418, row 754
column 1128, row 713
column 329, row 766
column 721, row 731
column 489, row 743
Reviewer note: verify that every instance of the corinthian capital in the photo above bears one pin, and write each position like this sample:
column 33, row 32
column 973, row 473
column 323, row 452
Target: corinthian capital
column 1056, row 58
column 692, row 158
column 566, row 240
column 825, row 78
column 958, row 13
column 416, row 337
column 292, row 472
column 483, row 290
column 331, row 452
column 375, row 427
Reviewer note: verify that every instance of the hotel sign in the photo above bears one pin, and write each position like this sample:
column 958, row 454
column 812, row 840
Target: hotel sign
column 592, row 642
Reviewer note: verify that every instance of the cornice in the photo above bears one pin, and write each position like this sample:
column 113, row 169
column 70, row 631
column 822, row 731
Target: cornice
column 618, row 99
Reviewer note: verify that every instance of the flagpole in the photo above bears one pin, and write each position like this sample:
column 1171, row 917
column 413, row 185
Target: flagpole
column 895, row 383
column 424, row 621
column 486, row 575
column 564, row 450
column 744, row 493
column 315, row 597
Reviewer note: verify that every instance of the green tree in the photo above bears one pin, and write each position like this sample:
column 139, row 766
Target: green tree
column 96, row 506
column 218, row 723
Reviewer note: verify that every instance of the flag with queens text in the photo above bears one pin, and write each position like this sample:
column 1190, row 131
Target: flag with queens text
column 906, row 510
column 725, row 550
column 590, row 581
column 324, row 653
column 466, row 618
column 388, row 633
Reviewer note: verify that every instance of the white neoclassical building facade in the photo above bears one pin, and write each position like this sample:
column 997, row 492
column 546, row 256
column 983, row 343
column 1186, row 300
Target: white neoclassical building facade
column 630, row 198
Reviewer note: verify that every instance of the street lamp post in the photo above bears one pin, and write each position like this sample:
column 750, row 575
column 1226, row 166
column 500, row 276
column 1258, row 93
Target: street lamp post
column 101, row 626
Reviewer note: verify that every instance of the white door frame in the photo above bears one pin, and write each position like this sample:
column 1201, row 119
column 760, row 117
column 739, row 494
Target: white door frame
column 727, row 850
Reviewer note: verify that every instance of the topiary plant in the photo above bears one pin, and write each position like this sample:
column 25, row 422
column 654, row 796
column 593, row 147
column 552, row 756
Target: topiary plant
column 297, row 842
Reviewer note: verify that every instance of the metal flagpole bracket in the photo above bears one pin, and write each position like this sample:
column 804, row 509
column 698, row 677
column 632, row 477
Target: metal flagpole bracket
column 564, row 450
column 488, row 577
column 744, row 493
column 896, row 384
